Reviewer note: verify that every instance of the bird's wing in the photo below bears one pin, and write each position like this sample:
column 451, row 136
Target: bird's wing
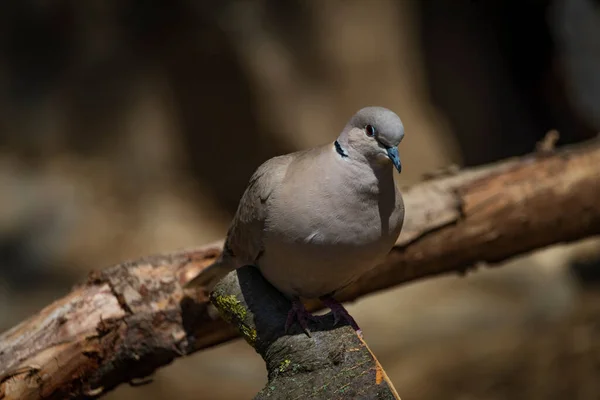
column 244, row 242
column 245, row 235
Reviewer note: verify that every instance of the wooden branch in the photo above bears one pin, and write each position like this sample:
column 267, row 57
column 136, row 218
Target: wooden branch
column 334, row 363
column 129, row 320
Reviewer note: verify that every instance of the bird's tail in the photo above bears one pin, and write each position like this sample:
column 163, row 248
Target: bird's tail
column 209, row 276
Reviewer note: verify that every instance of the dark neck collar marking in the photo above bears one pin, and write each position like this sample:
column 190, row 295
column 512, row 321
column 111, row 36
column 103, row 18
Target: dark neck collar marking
column 340, row 150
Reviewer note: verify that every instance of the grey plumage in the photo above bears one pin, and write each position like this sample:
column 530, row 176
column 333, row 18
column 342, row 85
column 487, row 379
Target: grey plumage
column 315, row 220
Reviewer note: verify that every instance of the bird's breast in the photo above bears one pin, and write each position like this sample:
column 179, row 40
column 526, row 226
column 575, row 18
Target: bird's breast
column 316, row 243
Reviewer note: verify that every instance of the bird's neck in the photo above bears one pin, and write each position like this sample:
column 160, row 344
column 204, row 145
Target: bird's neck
column 382, row 171
column 384, row 174
column 371, row 178
column 341, row 143
column 340, row 149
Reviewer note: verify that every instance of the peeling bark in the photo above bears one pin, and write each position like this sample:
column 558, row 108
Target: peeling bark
column 129, row 320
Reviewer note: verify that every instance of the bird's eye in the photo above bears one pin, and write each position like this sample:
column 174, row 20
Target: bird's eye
column 370, row 129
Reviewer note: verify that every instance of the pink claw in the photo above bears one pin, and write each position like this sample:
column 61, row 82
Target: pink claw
column 338, row 311
column 298, row 312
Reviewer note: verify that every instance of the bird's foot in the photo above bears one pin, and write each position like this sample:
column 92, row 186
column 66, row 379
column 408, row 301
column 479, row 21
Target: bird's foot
column 339, row 312
column 299, row 313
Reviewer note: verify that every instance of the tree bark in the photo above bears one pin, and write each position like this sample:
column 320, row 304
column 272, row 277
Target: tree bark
column 129, row 320
column 333, row 363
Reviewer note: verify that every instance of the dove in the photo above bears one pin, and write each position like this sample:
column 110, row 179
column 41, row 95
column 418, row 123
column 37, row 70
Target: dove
column 315, row 220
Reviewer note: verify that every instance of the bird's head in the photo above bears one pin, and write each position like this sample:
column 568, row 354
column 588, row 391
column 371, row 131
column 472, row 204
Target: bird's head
column 374, row 133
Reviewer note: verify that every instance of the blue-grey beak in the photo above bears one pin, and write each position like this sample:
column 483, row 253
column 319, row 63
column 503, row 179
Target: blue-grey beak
column 392, row 153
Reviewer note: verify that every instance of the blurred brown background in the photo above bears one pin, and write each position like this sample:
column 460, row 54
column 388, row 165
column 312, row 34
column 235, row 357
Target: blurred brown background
column 131, row 127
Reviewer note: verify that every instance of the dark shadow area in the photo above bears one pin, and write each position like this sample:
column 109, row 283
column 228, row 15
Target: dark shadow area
column 270, row 308
column 491, row 68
